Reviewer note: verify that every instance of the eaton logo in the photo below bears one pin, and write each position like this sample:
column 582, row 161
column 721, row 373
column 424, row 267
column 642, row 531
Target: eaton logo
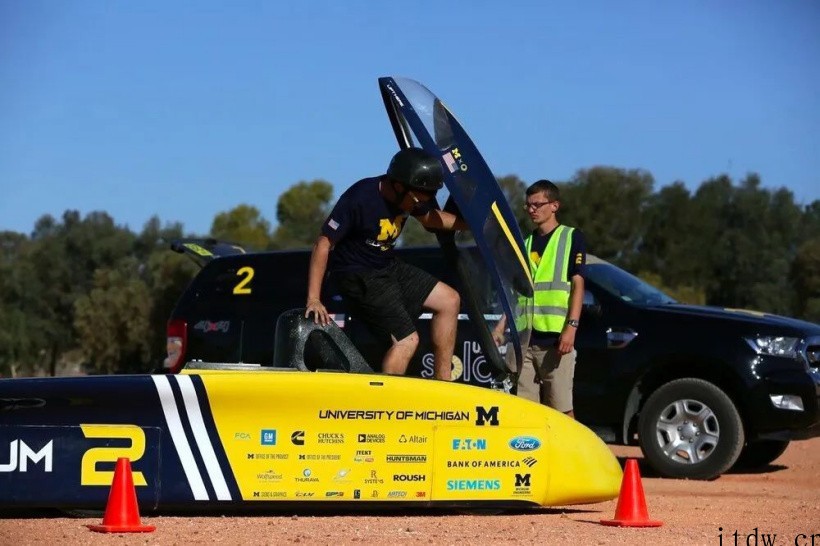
column 269, row 437
column 525, row 443
column 469, row 444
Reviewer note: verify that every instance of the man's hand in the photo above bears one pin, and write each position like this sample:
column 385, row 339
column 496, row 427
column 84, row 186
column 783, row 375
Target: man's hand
column 314, row 305
column 566, row 341
column 498, row 337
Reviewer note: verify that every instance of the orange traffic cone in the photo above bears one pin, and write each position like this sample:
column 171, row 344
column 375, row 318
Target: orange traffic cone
column 121, row 513
column 631, row 510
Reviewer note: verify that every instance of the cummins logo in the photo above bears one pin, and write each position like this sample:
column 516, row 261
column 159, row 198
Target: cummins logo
column 409, row 478
column 298, row 438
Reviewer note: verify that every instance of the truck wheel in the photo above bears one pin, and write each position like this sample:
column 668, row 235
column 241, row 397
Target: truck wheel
column 689, row 428
column 760, row 453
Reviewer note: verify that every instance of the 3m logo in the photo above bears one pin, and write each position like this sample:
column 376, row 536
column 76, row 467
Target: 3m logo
column 298, row 438
column 522, row 480
column 486, row 416
column 20, row 454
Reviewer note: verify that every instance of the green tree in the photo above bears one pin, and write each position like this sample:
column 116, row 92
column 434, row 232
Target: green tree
column 607, row 204
column 63, row 257
column 243, row 224
column 672, row 238
column 515, row 190
column 755, row 245
column 113, row 320
column 806, row 276
column 17, row 327
column 155, row 236
column 300, row 212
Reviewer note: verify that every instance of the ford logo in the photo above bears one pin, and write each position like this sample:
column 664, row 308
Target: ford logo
column 525, row 443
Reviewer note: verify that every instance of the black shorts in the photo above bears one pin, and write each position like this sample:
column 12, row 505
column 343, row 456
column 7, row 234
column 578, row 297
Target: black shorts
column 387, row 300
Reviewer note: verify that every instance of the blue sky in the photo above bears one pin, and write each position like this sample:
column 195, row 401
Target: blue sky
column 184, row 109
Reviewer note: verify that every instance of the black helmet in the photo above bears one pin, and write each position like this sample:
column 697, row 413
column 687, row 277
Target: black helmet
column 417, row 170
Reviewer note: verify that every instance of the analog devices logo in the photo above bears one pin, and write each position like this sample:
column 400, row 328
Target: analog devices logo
column 298, row 438
column 371, row 438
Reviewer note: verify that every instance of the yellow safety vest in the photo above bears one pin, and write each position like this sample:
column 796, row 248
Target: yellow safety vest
column 552, row 287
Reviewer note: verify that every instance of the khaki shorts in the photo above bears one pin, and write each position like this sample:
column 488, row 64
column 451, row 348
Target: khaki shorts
column 556, row 375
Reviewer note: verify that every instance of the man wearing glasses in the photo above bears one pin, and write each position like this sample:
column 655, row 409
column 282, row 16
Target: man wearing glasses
column 557, row 254
column 384, row 293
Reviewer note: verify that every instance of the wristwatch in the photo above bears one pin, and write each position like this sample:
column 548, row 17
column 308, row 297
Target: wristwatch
column 573, row 323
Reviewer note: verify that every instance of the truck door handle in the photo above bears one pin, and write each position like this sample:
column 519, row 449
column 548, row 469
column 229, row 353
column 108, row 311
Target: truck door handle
column 618, row 338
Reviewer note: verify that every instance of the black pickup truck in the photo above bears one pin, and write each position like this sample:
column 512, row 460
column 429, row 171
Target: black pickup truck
column 700, row 389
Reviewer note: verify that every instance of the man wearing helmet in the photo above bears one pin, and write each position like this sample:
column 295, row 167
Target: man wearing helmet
column 380, row 290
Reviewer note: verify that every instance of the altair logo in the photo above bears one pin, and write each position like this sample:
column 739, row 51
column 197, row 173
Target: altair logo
column 525, row 443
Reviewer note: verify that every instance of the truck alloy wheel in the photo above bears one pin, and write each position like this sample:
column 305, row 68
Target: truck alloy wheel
column 689, row 428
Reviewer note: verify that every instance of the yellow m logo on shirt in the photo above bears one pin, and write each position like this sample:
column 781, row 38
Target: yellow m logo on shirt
column 389, row 230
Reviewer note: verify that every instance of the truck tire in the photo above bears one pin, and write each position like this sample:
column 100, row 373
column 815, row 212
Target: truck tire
column 760, row 453
column 689, row 428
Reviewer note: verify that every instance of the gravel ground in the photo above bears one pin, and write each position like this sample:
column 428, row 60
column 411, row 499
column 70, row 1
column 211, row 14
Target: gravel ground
column 736, row 509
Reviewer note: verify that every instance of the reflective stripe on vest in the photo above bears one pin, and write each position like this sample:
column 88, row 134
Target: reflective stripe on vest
column 552, row 287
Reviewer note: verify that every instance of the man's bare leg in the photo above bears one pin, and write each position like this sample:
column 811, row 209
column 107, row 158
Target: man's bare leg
column 399, row 354
column 445, row 303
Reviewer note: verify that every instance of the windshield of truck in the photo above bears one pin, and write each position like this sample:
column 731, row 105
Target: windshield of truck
column 625, row 286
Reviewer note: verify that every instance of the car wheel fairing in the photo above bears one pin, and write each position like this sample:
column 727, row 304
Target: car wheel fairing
column 421, row 119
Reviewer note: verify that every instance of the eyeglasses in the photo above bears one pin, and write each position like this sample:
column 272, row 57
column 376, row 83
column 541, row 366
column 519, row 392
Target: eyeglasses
column 536, row 206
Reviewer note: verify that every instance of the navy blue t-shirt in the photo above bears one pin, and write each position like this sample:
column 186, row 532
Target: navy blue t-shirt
column 363, row 228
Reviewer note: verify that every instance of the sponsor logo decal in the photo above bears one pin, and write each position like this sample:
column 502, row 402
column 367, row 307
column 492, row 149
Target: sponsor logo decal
column 270, row 494
column 304, row 493
column 493, row 463
column 371, row 438
column 529, row 461
column 268, row 437
column 522, row 484
column 469, row 444
column 406, row 458
column 396, row 494
column 398, row 415
column 412, row 439
column 269, row 476
column 307, row 476
column 298, row 438
column 241, row 436
column 342, row 475
column 373, row 479
column 357, row 493
column 319, row 457
column 331, row 438
column 473, row 485
column 486, row 416
column 409, row 478
column 21, row 454
column 268, row 456
column 334, row 494
column 525, row 443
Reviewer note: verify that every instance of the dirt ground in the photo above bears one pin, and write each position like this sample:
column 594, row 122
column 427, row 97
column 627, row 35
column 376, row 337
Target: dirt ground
column 748, row 509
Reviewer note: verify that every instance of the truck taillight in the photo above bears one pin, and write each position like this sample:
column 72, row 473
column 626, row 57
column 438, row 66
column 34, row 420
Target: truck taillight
column 177, row 340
